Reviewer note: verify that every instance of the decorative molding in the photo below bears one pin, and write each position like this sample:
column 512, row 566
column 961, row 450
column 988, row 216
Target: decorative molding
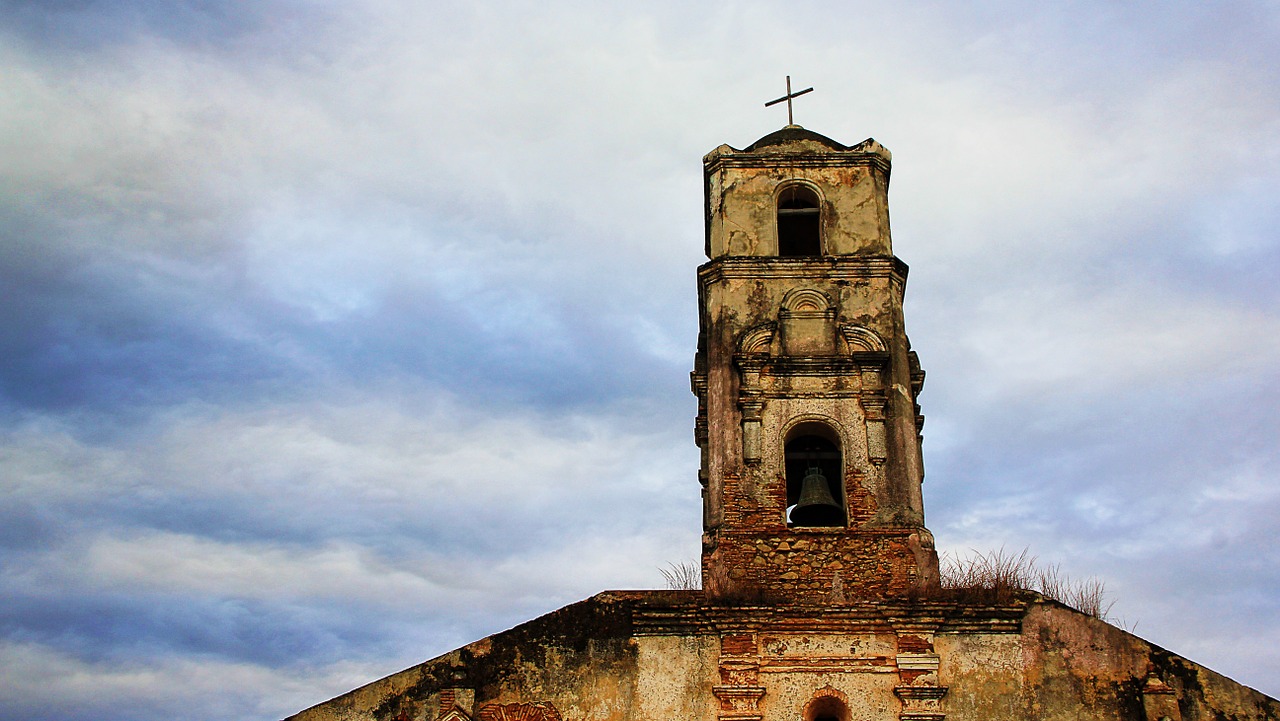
column 538, row 711
column 834, row 267
column 806, row 301
column 917, row 661
column 862, row 339
column 921, row 703
column 752, row 344
column 842, row 436
column 826, row 701
column 923, row 693
column 753, row 693
column 757, row 340
column 789, row 161
column 456, row 704
column 739, row 693
column 828, row 691
column 785, row 185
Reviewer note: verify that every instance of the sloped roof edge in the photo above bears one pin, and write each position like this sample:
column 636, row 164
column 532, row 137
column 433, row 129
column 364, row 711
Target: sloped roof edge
column 792, row 134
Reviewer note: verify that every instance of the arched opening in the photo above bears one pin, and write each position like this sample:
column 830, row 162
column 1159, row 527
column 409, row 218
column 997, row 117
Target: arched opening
column 827, row 708
column 799, row 226
column 815, row 477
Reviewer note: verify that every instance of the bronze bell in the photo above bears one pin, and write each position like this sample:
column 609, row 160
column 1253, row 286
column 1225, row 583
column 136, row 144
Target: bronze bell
column 816, row 507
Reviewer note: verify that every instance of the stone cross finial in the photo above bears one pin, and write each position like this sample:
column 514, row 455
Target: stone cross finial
column 788, row 97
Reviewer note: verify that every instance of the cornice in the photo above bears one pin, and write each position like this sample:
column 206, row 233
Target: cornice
column 701, row 618
column 828, row 267
column 796, row 160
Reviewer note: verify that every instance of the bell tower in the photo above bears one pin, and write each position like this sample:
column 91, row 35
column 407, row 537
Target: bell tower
column 807, row 416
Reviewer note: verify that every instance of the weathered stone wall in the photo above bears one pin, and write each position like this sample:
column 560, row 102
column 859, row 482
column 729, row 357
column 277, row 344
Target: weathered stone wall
column 655, row 656
column 742, row 187
column 837, row 357
column 764, row 559
column 580, row 662
column 812, row 340
column 797, row 566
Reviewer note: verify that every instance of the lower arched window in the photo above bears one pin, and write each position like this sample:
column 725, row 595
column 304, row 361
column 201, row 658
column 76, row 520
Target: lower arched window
column 827, row 707
column 815, row 477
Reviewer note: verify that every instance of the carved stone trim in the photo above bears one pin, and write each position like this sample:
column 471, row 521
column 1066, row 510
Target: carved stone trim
column 539, row 711
column 920, row 692
column 748, row 692
column 749, row 395
column 751, row 450
column 830, row 691
column 806, row 301
column 789, row 161
column 877, row 441
column 917, row 661
column 757, row 340
column 456, row 704
column 739, row 692
column 738, row 701
column 921, row 703
column 862, row 339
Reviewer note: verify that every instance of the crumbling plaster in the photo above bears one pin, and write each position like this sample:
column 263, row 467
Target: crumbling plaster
column 653, row 656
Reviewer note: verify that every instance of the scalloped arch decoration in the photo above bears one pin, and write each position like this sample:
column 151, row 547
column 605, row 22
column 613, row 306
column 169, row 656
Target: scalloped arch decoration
column 831, row 691
column 806, row 300
column 541, row 711
column 862, row 339
column 757, row 339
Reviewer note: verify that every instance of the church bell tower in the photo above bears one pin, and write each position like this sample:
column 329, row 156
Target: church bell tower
column 807, row 386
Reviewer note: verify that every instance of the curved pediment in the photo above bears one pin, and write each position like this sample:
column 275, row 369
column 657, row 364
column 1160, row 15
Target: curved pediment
column 861, row 339
column 757, row 340
column 806, row 300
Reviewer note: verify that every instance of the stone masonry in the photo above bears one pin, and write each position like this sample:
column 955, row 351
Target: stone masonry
column 810, row 343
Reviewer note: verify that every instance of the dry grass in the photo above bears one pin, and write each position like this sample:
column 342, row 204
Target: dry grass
column 683, row 576
column 998, row 576
column 995, row 577
column 1086, row 596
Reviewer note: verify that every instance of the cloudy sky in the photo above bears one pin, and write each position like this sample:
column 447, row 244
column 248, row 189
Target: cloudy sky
column 339, row 334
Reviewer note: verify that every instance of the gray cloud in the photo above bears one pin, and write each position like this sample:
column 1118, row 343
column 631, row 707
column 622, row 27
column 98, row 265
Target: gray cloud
column 338, row 337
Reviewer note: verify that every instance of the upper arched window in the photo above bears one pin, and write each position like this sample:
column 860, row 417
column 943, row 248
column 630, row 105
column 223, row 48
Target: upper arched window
column 815, row 477
column 799, row 229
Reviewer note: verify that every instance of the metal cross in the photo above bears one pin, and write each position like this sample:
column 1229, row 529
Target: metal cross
column 788, row 97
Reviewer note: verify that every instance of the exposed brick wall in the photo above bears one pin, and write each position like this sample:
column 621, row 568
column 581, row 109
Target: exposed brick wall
column 764, row 559
column 789, row 345
column 804, row 565
column 745, row 511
